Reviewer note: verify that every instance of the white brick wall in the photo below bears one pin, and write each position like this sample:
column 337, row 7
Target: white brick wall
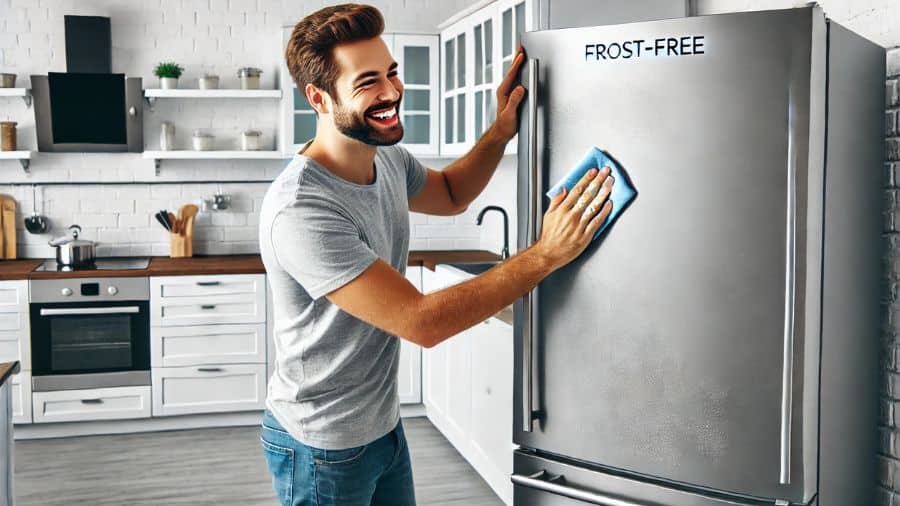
column 215, row 36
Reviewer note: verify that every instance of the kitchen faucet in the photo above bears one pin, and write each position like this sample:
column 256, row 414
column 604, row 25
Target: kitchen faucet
column 505, row 253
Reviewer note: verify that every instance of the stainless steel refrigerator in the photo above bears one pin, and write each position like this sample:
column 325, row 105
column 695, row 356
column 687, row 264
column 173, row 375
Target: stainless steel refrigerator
column 719, row 344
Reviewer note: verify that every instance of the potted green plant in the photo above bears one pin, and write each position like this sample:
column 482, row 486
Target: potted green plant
column 168, row 74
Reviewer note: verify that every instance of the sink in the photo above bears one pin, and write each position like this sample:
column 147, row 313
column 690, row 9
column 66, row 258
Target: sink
column 473, row 268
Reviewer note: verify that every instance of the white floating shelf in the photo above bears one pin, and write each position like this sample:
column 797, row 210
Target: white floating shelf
column 217, row 93
column 213, row 155
column 24, row 157
column 24, row 93
column 158, row 156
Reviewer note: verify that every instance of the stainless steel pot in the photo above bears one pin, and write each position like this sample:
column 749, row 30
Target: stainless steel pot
column 72, row 251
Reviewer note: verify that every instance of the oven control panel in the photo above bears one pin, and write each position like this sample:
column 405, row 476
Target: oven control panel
column 87, row 289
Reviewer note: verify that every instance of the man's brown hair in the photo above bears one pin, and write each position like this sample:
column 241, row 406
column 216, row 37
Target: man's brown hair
column 309, row 53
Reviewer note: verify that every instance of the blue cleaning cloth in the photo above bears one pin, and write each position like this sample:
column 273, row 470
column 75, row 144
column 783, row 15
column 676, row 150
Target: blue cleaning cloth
column 622, row 193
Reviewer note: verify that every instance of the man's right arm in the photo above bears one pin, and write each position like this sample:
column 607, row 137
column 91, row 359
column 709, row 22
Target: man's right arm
column 382, row 297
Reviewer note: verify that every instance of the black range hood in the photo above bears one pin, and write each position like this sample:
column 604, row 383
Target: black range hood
column 88, row 108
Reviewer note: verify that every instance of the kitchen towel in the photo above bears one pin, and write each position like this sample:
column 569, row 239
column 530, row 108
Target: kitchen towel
column 623, row 191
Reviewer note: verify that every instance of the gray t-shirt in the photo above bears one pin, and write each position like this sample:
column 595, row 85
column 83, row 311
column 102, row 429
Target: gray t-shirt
column 335, row 380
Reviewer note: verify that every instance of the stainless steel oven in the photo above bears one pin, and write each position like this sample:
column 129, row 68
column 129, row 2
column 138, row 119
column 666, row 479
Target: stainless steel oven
column 90, row 333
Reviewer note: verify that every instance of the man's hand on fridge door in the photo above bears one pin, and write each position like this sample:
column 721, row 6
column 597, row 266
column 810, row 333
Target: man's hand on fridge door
column 509, row 96
column 573, row 217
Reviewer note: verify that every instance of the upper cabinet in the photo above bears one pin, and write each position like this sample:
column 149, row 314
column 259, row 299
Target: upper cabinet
column 476, row 51
column 417, row 57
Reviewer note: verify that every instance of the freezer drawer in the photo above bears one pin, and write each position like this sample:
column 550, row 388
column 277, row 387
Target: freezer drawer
column 540, row 481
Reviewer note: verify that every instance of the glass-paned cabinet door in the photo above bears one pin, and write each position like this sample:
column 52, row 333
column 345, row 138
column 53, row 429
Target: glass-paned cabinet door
column 417, row 56
column 484, row 78
column 455, row 49
column 514, row 18
column 298, row 119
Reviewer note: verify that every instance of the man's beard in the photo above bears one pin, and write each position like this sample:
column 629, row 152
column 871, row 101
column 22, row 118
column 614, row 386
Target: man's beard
column 356, row 127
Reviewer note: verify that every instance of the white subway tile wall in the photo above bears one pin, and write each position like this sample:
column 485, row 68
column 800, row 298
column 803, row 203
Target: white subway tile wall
column 204, row 36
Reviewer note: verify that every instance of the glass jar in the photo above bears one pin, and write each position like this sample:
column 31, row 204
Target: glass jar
column 250, row 140
column 249, row 78
column 7, row 135
column 202, row 141
column 167, row 136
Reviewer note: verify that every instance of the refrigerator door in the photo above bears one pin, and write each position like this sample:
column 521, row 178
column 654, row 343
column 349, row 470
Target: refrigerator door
column 674, row 347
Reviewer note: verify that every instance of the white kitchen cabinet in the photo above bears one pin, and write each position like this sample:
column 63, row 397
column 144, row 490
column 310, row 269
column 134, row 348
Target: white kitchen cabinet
column 20, row 390
column 208, row 344
column 468, row 391
column 492, row 393
column 14, row 296
column 417, row 59
column 208, row 389
column 15, row 344
column 409, row 382
column 92, row 404
column 456, row 133
column 209, row 299
column 476, row 51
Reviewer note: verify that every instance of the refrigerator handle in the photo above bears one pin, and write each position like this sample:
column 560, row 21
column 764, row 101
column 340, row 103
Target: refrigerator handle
column 790, row 282
column 534, row 207
column 557, row 485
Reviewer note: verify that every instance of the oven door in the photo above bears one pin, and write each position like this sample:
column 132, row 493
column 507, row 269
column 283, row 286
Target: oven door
column 90, row 344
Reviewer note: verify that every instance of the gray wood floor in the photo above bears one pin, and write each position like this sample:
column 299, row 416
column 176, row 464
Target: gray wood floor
column 207, row 466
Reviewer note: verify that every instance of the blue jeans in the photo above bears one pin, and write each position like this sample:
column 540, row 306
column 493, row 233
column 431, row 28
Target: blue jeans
column 376, row 474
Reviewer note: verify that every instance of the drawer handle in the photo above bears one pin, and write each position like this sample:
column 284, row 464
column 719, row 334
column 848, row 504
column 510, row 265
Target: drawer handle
column 208, row 306
column 92, row 401
column 209, row 283
column 209, row 369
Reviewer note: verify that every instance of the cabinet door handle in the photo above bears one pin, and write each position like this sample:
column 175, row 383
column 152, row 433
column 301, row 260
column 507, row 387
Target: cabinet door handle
column 92, row 401
column 208, row 306
column 209, row 369
column 209, row 283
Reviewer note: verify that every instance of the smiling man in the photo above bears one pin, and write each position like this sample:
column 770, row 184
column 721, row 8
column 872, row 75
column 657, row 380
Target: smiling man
column 334, row 237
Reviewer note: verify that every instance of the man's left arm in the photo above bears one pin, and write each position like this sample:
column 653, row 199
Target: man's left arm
column 451, row 190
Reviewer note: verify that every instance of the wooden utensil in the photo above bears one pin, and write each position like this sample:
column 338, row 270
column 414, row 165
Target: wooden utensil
column 188, row 213
column 8, row 209
column 172, row 221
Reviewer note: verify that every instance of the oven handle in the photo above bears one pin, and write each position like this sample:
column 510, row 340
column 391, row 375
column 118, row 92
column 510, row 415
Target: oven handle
column 89, row 310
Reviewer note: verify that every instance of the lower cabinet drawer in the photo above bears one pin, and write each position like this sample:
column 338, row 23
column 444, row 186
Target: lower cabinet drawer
column 208, row 389
column 207, row 344
column 92, row 404
column 21, row 397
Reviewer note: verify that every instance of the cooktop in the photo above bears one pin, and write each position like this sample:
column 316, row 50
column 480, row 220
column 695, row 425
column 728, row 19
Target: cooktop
column 100, row 264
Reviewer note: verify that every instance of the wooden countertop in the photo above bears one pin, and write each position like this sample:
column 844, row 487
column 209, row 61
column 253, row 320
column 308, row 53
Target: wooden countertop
column 219, row 264
column 214, row 264
column 430, row 259
column 228, row 264
column 18, row 269
column 7, row 369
